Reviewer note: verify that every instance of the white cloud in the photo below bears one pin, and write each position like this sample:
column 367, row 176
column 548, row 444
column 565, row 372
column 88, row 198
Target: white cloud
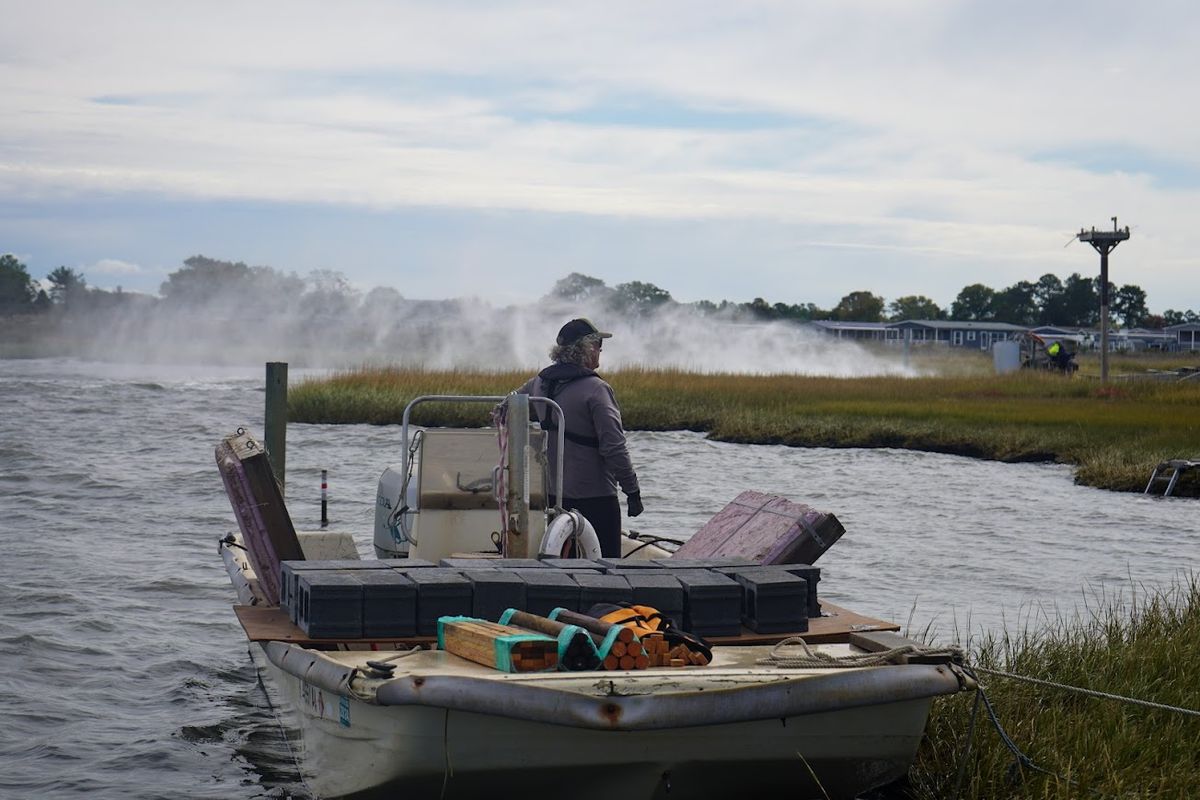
column 114, row 267
column 910, row 128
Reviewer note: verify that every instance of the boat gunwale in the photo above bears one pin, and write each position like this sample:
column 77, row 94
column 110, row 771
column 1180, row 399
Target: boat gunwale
column 803, row 694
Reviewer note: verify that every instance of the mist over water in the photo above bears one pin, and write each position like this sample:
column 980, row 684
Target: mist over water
column 470, row 333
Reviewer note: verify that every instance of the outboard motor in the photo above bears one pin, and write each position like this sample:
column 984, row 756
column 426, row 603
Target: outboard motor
column 394, row 515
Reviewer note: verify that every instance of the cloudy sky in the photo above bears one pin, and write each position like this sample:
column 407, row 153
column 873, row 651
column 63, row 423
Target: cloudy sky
column 794, row 151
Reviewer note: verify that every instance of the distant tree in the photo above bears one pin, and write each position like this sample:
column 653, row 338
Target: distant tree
column 1129, row 304
column 1173, row 317
column 974, row 302
column 579, row 288
column 913, row 306
column 17, row 290
column 705, row 306
column 1016, row 304
column 1048, row 294
column 329, row 294
column 1154, row 322
column 65, row 285
column 1080, row 301
column 860, row 306
column 638, row 297
column 800, row 312
column 204, row 280
column 760, row 309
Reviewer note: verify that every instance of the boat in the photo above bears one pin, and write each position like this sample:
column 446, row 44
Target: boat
column 372, row 715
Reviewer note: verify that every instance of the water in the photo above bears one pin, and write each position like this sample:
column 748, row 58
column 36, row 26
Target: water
column 124, row 674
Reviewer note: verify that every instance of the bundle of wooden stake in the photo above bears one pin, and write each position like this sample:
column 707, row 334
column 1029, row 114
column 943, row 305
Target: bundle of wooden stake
column 502, row 647
column 627, row 651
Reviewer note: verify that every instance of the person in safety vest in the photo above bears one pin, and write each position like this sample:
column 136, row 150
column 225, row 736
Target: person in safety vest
column 596, row 461
column 1059, row 355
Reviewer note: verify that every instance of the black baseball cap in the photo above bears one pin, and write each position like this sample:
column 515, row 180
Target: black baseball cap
column 578, row 328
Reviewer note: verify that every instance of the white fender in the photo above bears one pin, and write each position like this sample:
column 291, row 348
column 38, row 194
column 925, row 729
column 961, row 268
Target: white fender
column 567, row 527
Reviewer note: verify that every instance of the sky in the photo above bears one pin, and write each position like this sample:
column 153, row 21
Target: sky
column 794, row 151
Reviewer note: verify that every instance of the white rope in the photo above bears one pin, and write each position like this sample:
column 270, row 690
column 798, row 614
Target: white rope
column 1090, row 692
column 820, row 658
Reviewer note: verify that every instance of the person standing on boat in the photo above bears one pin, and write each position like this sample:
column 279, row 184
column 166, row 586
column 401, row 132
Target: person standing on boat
column 596, row 461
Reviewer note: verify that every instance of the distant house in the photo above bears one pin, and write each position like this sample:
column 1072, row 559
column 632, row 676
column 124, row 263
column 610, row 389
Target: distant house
column 975, row 335
column 1137, row 340
column 1185, row 336
column 868, row 331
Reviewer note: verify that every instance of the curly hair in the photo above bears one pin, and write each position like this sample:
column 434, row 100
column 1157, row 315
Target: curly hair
column 576, row 352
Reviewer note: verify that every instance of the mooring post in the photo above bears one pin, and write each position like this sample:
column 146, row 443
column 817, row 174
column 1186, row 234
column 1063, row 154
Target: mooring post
column 275, row 419
column 324, row 498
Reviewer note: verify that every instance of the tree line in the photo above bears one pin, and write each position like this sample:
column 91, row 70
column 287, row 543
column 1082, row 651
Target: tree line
column 1049, row 300
column 204, row 281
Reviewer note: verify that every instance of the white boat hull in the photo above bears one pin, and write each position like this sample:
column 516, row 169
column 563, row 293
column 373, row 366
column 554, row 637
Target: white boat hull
column 347, row 747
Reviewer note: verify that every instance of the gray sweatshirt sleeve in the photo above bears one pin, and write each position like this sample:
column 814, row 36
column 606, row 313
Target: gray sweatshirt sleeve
column 606, row 417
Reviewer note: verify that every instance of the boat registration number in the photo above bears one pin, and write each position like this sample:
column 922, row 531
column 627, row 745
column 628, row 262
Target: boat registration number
column 314, row 700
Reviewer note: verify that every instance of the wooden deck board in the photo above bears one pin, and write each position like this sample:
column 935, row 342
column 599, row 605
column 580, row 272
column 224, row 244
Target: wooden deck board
column 270, row 624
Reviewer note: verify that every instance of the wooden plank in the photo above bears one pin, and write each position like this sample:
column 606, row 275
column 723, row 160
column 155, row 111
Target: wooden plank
column 257, row 502
column 832, row 629
column 271, row 624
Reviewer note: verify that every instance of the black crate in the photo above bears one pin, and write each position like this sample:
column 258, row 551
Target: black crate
column 626, row 563
column 495, row 591
column 440, row 593
column 406, row 564
column 289, row 581
column 627, row 572
column 548, row 589
column 574, row 564
column 811, row 574
column 329, row 604
column 596, row 588
column 774, row 601
column 712, row 603
column 389, row 603
column 659, row 590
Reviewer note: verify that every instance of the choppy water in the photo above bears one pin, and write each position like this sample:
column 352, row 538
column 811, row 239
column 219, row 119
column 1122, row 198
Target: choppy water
column 124, row 674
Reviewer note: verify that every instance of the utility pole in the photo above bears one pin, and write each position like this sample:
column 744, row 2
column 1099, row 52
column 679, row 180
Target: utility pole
column 1104, row 242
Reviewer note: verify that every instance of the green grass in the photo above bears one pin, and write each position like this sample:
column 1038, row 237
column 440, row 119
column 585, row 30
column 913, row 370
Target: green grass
column 1113, row 434
column 1145, row 647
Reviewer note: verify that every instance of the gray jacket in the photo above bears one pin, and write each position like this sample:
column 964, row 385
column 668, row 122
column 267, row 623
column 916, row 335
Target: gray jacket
column 596, row 459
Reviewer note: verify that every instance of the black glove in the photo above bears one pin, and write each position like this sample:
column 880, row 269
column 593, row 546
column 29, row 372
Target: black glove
column 634, row 501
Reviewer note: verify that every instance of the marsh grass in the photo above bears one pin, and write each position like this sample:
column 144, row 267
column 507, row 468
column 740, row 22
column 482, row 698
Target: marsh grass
column 1113, row 434
column 1144, row 645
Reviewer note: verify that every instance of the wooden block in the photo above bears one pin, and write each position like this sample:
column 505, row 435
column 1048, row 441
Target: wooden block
column 678, row 662
column 628, row 662
column 501, row 647
column 611, row 662
column 881, row 641
column 641, row 661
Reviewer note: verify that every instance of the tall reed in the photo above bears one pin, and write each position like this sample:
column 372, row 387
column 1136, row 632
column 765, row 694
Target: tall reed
column 1144, row 645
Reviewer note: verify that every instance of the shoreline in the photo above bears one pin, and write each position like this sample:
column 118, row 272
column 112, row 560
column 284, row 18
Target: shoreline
column 1113, row 435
